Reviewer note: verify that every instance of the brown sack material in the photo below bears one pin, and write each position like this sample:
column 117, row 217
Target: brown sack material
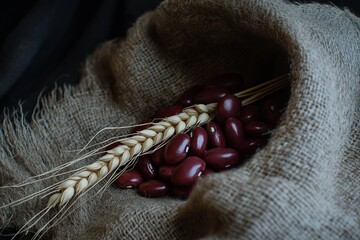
column 305, row 184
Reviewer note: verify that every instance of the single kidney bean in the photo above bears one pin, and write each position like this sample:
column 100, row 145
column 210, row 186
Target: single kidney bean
column 271, row 112
column 153, row 188
column 215, row 135
column 256, row 128
column 145, row 167
column 187, row 99
column 181, row 192
column 168, row 111
column 228, row 106
column 129, row 179
column 188, row 171
column 198, row 141
column 221, row 158
column 177, row 148
column 232, row 81
column 249, row 113
column 157, row 157
column 249, row 146
column 234, row 133
column 166, row 171
column 210, row 95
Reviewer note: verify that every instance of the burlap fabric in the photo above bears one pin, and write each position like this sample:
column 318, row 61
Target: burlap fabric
column 305, row 184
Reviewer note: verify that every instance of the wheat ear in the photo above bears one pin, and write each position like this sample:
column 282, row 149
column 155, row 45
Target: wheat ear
column 133, row 146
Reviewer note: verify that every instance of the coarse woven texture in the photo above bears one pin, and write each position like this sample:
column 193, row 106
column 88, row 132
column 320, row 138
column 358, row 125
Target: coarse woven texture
column 305, row 184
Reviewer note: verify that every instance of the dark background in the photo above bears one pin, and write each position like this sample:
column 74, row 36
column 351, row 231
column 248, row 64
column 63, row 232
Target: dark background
column 43, row 42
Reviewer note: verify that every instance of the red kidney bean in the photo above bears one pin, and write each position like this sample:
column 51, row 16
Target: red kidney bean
column 145, row 167
column 210, row 95
column 221, row 158
column 129, row 179
column 271, row 111
column 232, row 81
column 234, row 132
column 166, row 171
column 187, row 99
column 198, row 141
column 181, row 192
column 228, row 106
column 157, row 157
column 207, row 171
column 249, row 113
column 168, row 111
column 249, row 146
column 177, row 149
column 153, row 188
column 256, row 128
column 215, row 135
column 188, row 171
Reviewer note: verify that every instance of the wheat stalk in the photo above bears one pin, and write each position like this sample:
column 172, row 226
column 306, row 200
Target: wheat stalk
column 146, row 139
column 129, row 148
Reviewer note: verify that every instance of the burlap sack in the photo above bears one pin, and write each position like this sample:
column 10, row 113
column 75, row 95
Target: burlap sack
column 305, row 184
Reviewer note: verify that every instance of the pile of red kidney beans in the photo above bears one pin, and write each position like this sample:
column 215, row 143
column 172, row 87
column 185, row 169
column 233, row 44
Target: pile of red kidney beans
column 226, row 142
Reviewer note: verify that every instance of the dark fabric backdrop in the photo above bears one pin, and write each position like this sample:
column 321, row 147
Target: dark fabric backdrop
column 44, row 42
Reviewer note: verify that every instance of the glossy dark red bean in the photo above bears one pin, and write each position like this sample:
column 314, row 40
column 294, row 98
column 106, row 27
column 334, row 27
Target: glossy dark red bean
column 234, row 132
column 188, row 171
column 210, row 95
column 166, row 171
column 249, row 146
column 256, row 128
column 187, row 99
column 181, row 192
column 157, row 157
column 216, row 136
column 232, row 81
column 168, row 111
column 153, row 188
column 227, row 107
column 145, row 167
column 129, row 179
column 198, row 141
column 271, row 111
column 177, row 149
column 207, row 171
column 249, row 113
column 221, row 158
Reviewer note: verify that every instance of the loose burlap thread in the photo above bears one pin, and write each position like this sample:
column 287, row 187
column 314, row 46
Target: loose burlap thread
column 305, row 184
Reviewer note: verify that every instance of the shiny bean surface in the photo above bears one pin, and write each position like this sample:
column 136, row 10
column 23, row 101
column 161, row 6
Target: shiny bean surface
column 198, row 141
column 187, row 99
column 188, row 171
column 256, row 128
column 157, row 157
column 249, row 113
column 210, row 95
column 129, row 179
column 249, row 146
column 177, row 148
column 227, row 107
column 216, row 136
column 232, row 81
column 234, row 133
column 221, row 158
column 145, row 167
column 153, row 188
column 168, row 111
column 166, row 171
